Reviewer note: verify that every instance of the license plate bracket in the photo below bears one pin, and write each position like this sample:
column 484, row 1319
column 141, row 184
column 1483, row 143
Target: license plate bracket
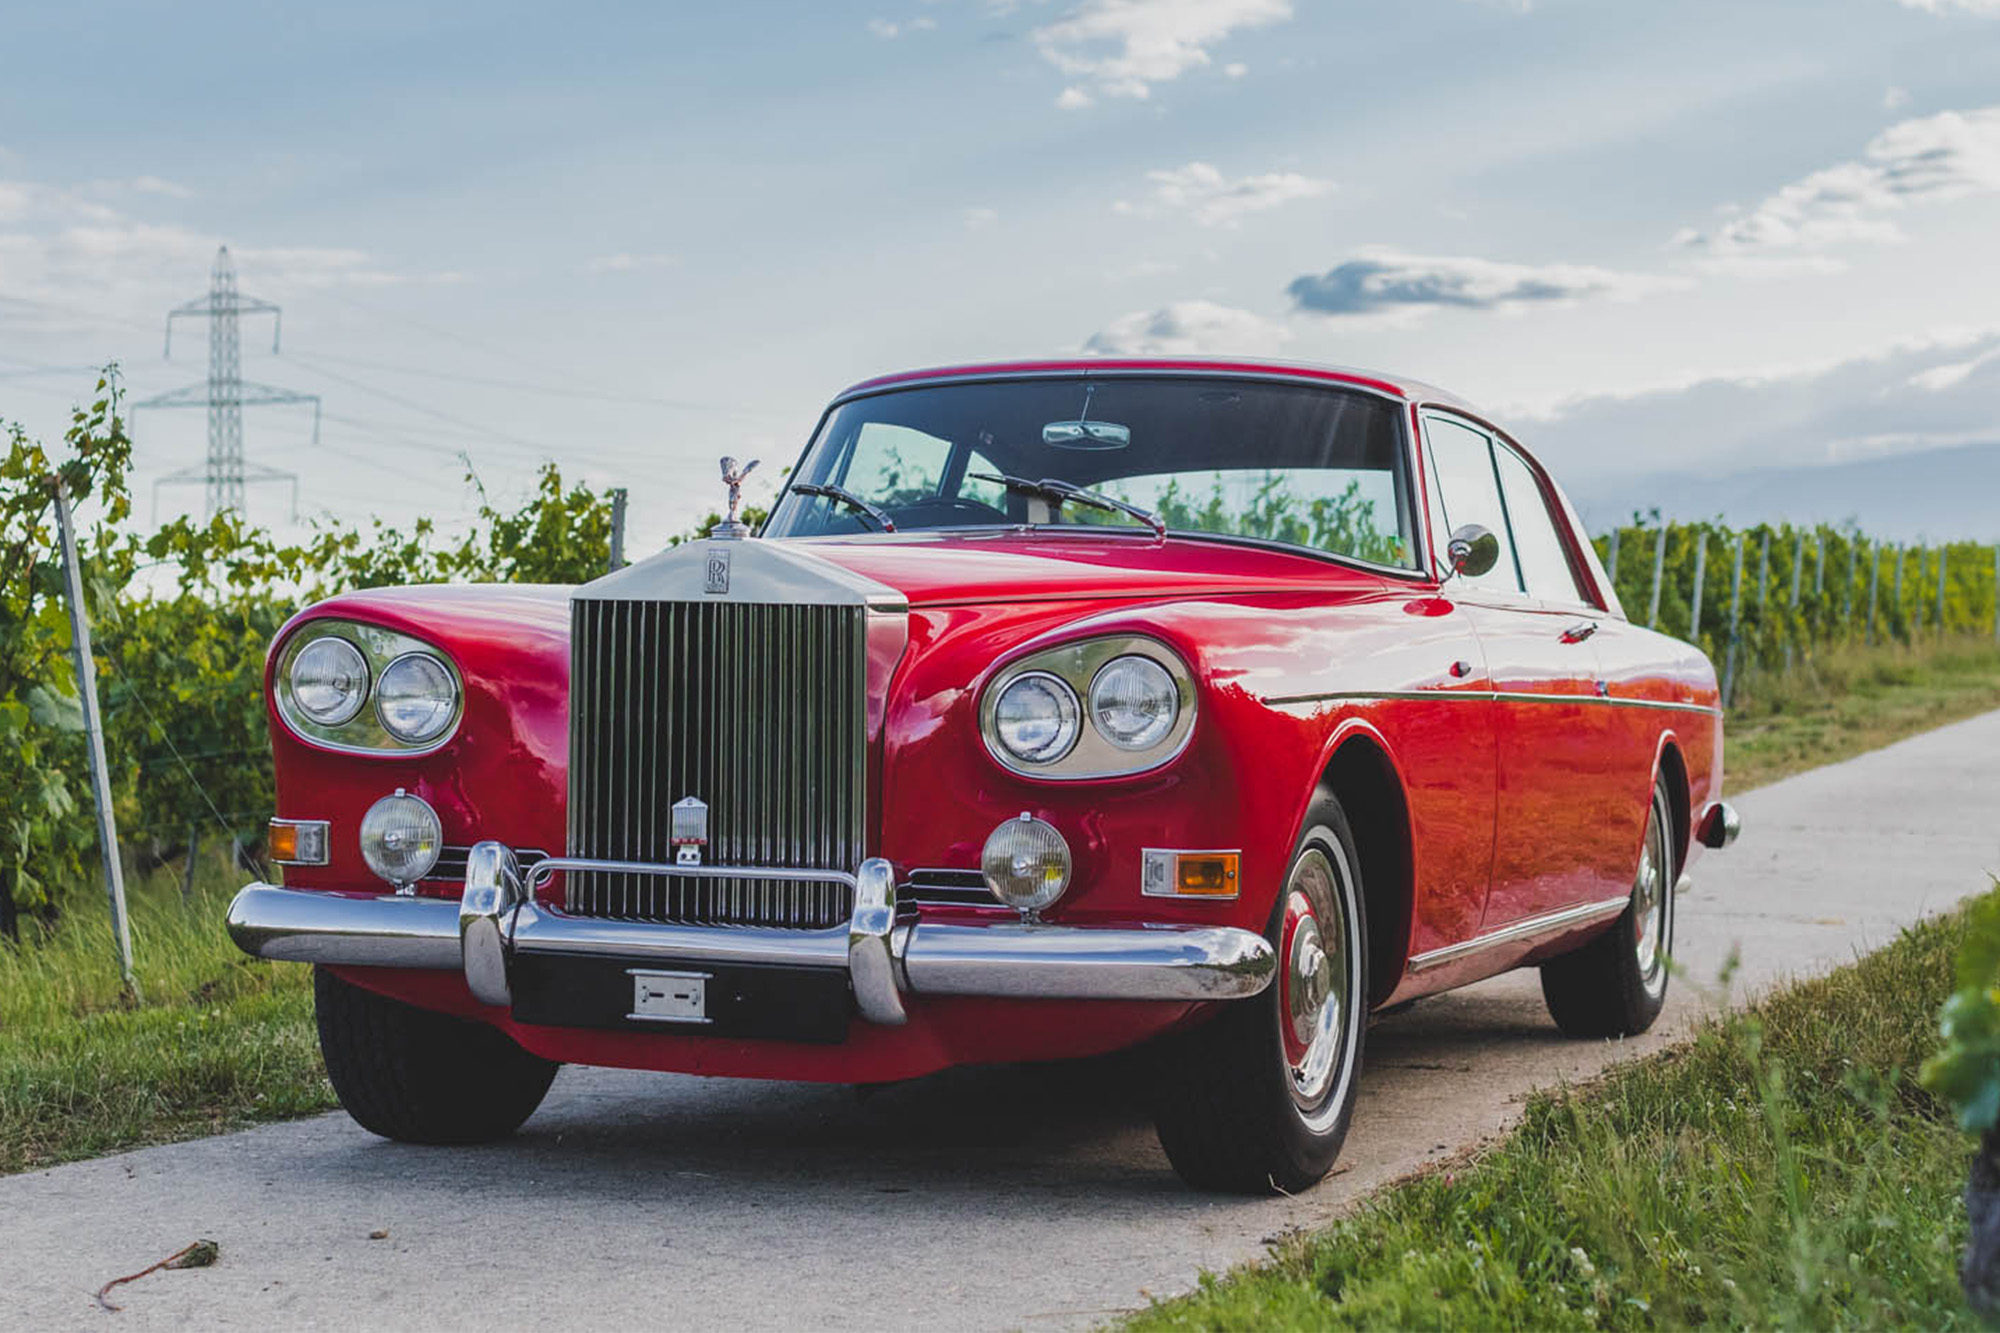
column 668, row 997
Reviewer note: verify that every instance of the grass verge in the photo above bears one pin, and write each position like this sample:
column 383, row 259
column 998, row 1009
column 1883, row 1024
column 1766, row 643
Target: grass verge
column 1847, row 701
column 1783, row 1170
column 221, row 1041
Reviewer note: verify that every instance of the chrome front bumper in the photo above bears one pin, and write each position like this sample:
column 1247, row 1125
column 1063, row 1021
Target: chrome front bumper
column 497, row 920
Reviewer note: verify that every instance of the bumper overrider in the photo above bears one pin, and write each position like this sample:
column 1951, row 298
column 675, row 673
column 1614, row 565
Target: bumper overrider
column 886, row 954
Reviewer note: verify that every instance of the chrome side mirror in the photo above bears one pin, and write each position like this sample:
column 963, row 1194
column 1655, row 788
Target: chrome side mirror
column 1472, row 550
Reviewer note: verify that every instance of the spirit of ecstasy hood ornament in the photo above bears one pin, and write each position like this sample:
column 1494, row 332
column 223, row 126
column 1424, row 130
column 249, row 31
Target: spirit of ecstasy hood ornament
column 732, row 477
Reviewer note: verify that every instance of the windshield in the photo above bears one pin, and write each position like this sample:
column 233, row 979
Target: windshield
column 1309, row 466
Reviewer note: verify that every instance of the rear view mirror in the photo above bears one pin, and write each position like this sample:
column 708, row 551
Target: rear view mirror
column 1086, row 435
column 1472, row 551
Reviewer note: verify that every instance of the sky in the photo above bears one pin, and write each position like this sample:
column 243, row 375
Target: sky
column 1652, row 238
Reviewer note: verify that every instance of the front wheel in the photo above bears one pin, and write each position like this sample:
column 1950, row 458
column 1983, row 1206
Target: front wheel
column 419, row 1076
column 1258, row 1099
column 1616, row 985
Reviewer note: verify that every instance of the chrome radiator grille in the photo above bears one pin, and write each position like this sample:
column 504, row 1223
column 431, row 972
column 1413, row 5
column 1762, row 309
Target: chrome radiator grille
column 759, row 710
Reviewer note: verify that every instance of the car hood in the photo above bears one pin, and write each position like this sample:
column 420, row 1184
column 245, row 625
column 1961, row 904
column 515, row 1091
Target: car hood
column 941, row 569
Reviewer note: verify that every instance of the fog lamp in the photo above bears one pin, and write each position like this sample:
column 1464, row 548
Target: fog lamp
column 1026, row 864
column 401, row 839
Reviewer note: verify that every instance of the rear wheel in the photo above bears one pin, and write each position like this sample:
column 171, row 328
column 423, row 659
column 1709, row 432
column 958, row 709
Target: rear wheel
column 1616, row 985
column 1259, row 1098
column 419, row 1076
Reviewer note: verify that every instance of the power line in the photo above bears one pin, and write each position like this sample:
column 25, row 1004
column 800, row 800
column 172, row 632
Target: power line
column 552, row 390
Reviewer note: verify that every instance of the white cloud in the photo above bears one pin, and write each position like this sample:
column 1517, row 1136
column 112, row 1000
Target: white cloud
column 1944, row 6
column 623, row 262
column 1952, row 155
column 1235, row 69
column 1121, row 48
column 1213, row 200
column 73, row 262
column 1188, row 327
column 1894, row 98
column 1381, row 280
column 1074, row 99
column 978, row 219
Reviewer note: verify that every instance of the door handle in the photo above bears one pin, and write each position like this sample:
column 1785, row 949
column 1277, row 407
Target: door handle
column 1578, row 633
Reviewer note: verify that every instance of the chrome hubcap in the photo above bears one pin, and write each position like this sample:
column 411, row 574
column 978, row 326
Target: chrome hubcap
column 1650, row 903
column 1314, row 1003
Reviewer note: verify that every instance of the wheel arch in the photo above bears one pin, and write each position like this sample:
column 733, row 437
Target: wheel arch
column 1360, row 773
column 1671, row 765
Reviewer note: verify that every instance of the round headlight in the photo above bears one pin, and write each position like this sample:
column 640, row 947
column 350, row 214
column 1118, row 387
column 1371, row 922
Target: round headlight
column 1133, row 702
column 1026, row 864
column 329, row 681
column 401, row 838
column 415, row 698
column 1035, row 717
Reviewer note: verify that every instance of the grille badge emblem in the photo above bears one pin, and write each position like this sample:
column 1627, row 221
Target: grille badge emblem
column 717, row 571
column 690, row 830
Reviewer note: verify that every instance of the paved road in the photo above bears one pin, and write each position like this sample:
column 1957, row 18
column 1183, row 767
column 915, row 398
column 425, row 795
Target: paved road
column 1024, row 1198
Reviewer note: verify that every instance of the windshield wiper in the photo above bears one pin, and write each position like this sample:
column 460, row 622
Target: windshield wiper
column 1056, row 491
column 848, row 498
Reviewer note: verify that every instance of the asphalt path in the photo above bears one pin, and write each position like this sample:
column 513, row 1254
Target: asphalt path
column 1004, row 1198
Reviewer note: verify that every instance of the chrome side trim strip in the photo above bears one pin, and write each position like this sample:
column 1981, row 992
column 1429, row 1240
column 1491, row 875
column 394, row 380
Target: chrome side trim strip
column 1521, row 930
column 1483, row 696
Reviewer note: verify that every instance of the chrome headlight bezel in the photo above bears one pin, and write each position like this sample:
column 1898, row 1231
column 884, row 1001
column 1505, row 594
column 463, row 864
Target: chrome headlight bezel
column 363, row 733
column 1093, row 755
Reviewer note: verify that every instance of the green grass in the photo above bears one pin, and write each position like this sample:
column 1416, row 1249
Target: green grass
column 1843, row 702
column 1783, row 1170
column 221, row 1041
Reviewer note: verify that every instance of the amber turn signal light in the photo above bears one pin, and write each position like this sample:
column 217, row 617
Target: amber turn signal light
column 298, row 842
column 1169, row 873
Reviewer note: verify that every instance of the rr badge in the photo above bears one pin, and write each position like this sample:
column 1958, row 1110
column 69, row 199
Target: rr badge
column 717, row 580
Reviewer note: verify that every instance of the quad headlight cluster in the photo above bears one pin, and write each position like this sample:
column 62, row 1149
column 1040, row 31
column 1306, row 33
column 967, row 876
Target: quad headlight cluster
column 367, row 689
column 1096, row 709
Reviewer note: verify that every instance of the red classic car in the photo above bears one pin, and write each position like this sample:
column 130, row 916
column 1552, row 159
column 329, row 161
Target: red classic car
column 1059, row 707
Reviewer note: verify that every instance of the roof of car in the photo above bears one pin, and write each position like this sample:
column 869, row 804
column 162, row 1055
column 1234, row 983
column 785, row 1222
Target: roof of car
column 1396, row 386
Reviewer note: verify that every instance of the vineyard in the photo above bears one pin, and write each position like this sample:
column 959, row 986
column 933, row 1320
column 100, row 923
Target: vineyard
column 181, row 619
column 1766, row 599
column 180, row 622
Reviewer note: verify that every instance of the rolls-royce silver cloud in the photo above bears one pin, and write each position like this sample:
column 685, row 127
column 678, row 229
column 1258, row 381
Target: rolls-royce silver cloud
column 1058, row 708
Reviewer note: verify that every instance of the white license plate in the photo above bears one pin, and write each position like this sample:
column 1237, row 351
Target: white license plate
column 669, row 997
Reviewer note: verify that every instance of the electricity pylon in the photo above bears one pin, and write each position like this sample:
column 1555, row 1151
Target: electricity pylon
column 226, row 393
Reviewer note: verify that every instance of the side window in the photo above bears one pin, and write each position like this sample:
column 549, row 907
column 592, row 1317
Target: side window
column 1462, row 470
column 1544, row 560
column 895, row 465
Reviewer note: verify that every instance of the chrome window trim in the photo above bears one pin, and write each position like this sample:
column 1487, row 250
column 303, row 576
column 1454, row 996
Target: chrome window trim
column 1580, row 915
column 1420, row 568
column 364, row 732
column 1091, row 757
